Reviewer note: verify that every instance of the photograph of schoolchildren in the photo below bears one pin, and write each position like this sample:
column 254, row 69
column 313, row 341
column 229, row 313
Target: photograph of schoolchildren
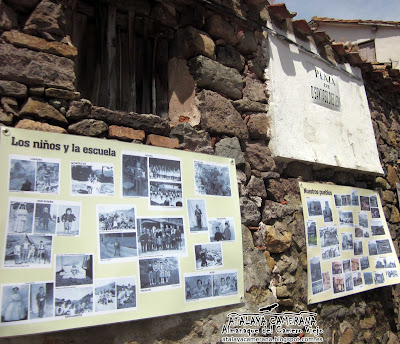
column 73, row 301
column 41, row 300
column 212, row 179
column 126, row 292
column 208, row 256
column 22, row 175
column 221, row 229
column 159, row 272
column 45, row 218
column 74, row 270
column 164, row 169
column 47, row 177
column 104, row 296
column 28, row 250
column 225, row 284
column 113, row 217
column 118, row 245
column 134, row 176
column 197, row 215
column 92, row 179
column 15, row 302
column 161, row 236
column 198, row 287
column 20, row 217
column 165, row 194
column 68, row 219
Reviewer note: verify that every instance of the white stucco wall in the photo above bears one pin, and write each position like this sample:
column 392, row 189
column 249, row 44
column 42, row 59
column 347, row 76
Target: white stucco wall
column 306, row 131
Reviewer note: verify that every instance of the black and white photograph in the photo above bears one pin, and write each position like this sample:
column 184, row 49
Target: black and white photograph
column 225, row 284
column 74, row 269
column 330, row 252
column 372, row 248
column 71, row 302
column 348, row 278
column 221, row 229
column 45, row 218
column 390, row 263
column 197, row 215
column 357, row 279
column 338, row 284
column 22, row 174
column 346, row 218
column 47, row 177
column 354, row 198
column 383, row 246
column 364, row 262
column 166, row 194
column 355, row 264
column 364, row 203
column 314, row 207
column 375, row 213
column 363, row 220
column 346, row 200
column 105, row 298
column 41, row 300
column 159, row 273
column 116, row 217
column 198, row 287
column 68, row 219
column 326, row 280
column 347, row 241
column 20, row 217
column 208, row 256
column 311, row 233
column 368, row 279
column 337, row 267
column 126, row 292
column 377, row 228
column 134, row 176
column 338, row 200
column 380, row 262
column 317, row 287
column 161, row 236
column 327, row 211
column 92, row 179
column 15, row 302
column 212, row 179
column 379, row 277
column 328, row 236
column 373, row 201
column 28, row 251
column 359, row 232
column 358, row 248
column 346, row 265
column 164, row 169
column 118, row 246
column 392, row 273
column 315, row 269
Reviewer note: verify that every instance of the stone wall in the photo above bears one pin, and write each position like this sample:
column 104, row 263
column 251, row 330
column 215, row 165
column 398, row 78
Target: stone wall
column 218, row 104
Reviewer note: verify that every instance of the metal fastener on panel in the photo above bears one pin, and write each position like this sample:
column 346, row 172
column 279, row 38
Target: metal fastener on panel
column 5, row 131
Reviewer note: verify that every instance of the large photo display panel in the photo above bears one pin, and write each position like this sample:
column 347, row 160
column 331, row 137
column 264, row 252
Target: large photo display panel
column 100, row 231
column 349, row 247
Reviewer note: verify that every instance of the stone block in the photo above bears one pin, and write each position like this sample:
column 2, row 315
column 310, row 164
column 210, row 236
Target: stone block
column 37, row 91
column 214, row 76
column 249, row 211
column 62, row 94
column 125, row 134
column 254, row 90
column 247, row 105
column 6, row 118
column 33, row 125
column 79, row 109
column 219, row 28
column 13, row 89
column 247, row 43
column 259, row 127
column 281, row 189
column 256, row 187
column 259, row 157
column 277, row 237
column 10, row 106
column 230, row 148
column 273, row 211
column 392, row 176
column 192, row 139
column 162, row 141
column 42, row 110
column 88, row 127
column 230, row 57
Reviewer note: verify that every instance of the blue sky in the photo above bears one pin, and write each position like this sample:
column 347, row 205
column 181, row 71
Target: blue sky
column 345, row 9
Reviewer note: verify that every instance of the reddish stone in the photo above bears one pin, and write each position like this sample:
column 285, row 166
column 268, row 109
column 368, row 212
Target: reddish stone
column 125, row 134
column 33, row 125
column 162, row 141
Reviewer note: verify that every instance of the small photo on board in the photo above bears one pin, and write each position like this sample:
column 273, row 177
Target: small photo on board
column 357, row 279
column 164, row 169
column 314, row 207
column 377, row 228
column 208, row 256
column 198, row 287
column 327, row 211
column 28, row 250
column 348, row 277
column 379, row 277
column 372, row 248
column 212, row 179
column 328, row 236
column 354, row 198
column 383, row 246
column 338, row 284
column 326, row 280
column 346, row 218
column 346, row 200
column 134, row 176
column 47, row 177
column 390, row 263
column 375, row 213
column 347, row 241
column 364, row 262
column 317, row 287
column 76, row 269
column 380, row 262
column 225, row 284
column 20, row 217
column 392, row 273
column 346, row 265
column 330, row 252
column 104, row 296
column 373, row 201
column 68, row 219
column 368, row 279
column 312, row 233
column 359, row 231
column 221, row 229
column 92, row 179
column 363, row 219
column 45, row 218
column 116, row 217
column 338, row 200
column 41, row 303
column 337, row 267
column 73, row 301
column 166, row 194
column 315, row 269
column 197, row 215
column 126, row 292
column 358, row 248
column 15, row 302
column 159, row 272
column 118, row 245
column 22, row 175
column 364, row 203
column 355, row 264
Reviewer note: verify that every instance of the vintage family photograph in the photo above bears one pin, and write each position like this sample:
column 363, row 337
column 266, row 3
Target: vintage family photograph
column 126, row 292
column 198, row 287
column 221, row 229
column 15, row 302
column 134, row 176
column 73, row 301
column 74, row 269
column 212, row 179
column 68, row 219
column 92, row 179
column 164, row 169
column 41, row 300
column 104, row 295
column 225, row 284
column 197, row 215
column 118, row 245
column 159, row 272
column 45, row 218
column 116, row 217
column 208, row 256
column 166, row 194
column 20, row 216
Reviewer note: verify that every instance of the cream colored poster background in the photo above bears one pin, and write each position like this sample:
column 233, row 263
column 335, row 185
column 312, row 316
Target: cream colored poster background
column 325, row 242
column 152, row 303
